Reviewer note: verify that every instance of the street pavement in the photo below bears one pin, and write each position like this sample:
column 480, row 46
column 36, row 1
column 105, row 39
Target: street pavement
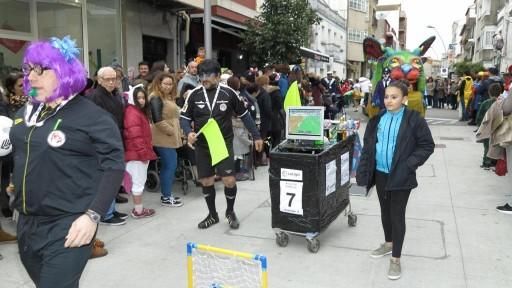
column 455, row 237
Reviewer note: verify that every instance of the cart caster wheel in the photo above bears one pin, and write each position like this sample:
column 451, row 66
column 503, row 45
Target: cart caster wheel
column 352, row 220
column 152, row 182
column 313, row 245
column 282, row 239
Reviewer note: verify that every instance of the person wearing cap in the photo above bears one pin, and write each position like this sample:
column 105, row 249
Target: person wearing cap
column 68, row 165
column 378, row 96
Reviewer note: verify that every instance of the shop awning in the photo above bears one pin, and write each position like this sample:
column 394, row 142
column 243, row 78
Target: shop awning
column 313, row 54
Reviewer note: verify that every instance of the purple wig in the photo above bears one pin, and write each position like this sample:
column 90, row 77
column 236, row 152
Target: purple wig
column 60, row 56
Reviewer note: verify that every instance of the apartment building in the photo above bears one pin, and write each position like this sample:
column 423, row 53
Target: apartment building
column 358, row 19
column 486, row 20
column 329, row 37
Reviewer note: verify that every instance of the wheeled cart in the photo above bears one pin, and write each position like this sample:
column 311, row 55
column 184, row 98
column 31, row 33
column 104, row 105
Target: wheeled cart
column 309, row 188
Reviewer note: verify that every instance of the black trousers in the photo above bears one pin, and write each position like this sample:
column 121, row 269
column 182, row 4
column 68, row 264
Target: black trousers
column 392, row 212
column 41, row 244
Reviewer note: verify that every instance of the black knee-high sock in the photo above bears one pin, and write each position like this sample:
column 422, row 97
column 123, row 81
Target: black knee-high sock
column 230, row 197
column 209, row 196
column 237, row 165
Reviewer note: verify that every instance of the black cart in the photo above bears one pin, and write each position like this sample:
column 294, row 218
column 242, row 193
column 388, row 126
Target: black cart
column 309, row 188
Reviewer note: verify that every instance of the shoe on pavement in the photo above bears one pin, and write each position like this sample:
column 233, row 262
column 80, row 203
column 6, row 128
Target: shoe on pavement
column 97, row 251
column 120, row 199
column 170, row 202
column 114, row 221
column 6, row 237
column 242, row 177
column 395, row 271
column 144, row 214
column 507, row 209
column 98, row 243
column 383, row 250
column 232, row 220
column 123, row 216
column 209, row 221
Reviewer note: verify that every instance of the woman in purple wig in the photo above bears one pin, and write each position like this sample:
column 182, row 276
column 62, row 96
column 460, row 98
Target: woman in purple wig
column 68, row 165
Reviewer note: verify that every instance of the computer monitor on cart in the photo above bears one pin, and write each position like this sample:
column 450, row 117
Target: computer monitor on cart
column 305, row 123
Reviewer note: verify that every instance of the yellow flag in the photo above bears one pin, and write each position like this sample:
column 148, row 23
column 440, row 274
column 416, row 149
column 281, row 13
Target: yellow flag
column 216, row 143
column 292, row 98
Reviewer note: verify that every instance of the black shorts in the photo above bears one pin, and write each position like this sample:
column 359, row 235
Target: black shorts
column 224, row 168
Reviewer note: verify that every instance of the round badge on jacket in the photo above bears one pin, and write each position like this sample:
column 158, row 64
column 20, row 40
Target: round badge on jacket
column 56, row 138
column 223, row 107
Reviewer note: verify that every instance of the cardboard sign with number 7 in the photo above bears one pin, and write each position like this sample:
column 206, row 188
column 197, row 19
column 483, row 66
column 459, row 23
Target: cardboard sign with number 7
column 291, row 197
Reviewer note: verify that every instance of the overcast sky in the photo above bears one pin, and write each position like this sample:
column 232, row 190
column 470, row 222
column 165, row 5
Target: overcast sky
column 438, row 13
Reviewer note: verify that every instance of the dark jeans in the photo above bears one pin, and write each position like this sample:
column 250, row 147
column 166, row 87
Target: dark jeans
column 430, row 100
column 453, row 101
column 41, row 244
column 464, row 112
column 392, row 212
column 169, row 161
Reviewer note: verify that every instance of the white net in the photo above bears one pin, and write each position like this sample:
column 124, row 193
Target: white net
column 211, row 270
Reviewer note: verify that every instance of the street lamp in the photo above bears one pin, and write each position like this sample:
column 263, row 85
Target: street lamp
column 442, row 41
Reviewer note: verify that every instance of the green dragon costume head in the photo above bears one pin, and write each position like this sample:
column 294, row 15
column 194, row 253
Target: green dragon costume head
column 403, row 64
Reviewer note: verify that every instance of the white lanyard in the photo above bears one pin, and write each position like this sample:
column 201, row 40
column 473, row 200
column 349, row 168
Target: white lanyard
column 32, row 120
column 214, row 99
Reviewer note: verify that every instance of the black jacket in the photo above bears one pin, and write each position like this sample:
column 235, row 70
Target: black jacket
column 110, row 103
column 84, row 172
column 414, row 146
column 265, row 104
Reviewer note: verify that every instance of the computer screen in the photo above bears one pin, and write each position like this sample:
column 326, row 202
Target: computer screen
column 305, row 123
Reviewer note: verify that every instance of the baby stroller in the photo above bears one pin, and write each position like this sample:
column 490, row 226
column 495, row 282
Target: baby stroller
column 185, row 170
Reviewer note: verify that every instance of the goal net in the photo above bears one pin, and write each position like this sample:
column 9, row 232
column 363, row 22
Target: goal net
column 212, row 267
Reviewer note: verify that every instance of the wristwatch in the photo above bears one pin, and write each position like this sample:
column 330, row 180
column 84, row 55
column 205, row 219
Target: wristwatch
column 95, row 217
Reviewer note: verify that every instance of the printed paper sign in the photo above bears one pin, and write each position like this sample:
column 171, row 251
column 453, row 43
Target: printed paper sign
column 345, row 169
column 291, row 174
column 330, row 177
column 291, row 197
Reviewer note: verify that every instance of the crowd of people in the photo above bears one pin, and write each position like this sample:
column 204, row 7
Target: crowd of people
column 73, row 133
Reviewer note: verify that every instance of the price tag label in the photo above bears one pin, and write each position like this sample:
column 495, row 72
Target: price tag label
column 291, row 197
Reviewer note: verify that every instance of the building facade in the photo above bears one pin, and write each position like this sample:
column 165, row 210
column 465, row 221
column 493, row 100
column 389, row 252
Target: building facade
column 486, row 12
column 125, row 31
column 328, row 37
column 505, row 31
column 467, row 35
column 358, row 19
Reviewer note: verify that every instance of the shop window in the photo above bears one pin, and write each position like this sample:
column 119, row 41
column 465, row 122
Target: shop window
column 15, row 30
column 15, row 16
column 104, row 33
column 60, row 19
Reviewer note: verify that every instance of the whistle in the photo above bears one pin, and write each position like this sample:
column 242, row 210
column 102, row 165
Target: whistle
column 32, row 93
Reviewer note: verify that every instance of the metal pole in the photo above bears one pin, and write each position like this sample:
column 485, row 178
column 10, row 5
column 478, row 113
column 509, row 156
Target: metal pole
column 208, row 28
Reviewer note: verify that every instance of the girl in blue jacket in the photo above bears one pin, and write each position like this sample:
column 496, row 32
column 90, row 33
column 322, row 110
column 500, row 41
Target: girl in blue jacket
column 396, row 143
